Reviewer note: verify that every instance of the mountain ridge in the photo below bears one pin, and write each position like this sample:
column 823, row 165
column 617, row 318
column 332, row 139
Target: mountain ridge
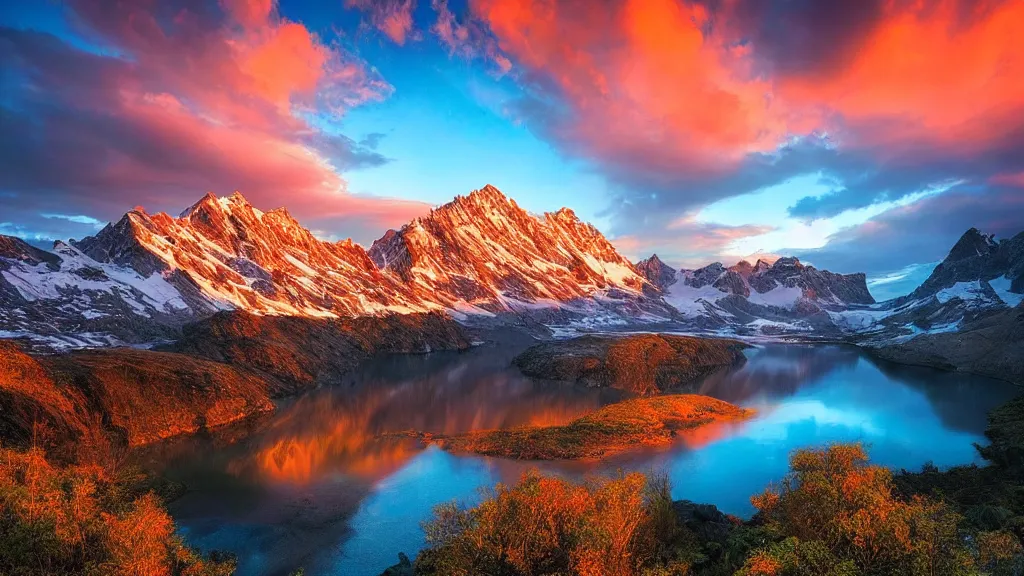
column 481, row 258
column 479, row 255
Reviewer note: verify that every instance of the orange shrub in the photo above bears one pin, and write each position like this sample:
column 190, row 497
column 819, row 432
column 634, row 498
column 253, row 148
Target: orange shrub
column 77, row 520
column 834, row 498
column 546, row 525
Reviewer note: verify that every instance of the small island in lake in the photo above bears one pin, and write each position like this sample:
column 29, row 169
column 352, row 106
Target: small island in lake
column 653, row 421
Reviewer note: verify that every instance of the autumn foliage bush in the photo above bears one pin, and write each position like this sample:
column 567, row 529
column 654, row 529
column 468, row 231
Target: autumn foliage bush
column 832, row 515
column 544, row 525
column 79, row 520
column 838, row 515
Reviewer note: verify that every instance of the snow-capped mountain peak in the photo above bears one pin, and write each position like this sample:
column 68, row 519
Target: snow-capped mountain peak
column 480, row 253
column 483, row 250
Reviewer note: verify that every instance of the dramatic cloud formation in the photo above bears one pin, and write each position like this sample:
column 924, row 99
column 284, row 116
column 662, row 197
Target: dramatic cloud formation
column 157, row 103
column 921, row 232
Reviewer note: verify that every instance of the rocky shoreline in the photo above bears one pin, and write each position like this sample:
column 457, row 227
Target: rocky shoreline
column 89, row 405
column 992, row 346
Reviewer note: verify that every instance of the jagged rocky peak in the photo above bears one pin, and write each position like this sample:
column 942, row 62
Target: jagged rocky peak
column 794, row 280
column 119, row 243
column 704, row 276
column 977, row 258
column 17, row 249
column 788, row 263
column 972, row 244
column 237, row 256
column 484, row 250
column 743, row 268
column 656, row 271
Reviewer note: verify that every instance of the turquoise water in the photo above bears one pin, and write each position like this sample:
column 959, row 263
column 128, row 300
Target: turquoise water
column 328, row 485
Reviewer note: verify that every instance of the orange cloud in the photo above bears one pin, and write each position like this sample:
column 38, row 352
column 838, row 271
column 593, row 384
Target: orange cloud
column 643, row 79
column 928, row 72
column 206, row 100
column 250, row 13
column 670, row 86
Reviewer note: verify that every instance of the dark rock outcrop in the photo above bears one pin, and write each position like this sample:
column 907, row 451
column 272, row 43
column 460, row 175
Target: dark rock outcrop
column 976, row 256
column 403, row 568
column 89, row 404
column 705, row 276
column 732, row 282
column 991, row 345
column 16, row 249
column 296, row 353
column 705, row 520
column 657, row 272
column 645, row 363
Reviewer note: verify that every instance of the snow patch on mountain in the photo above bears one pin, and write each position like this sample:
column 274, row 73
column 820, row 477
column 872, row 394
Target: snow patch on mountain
column 1002, row 287
column 780, row 296
column 691, row 301
column 966, row 291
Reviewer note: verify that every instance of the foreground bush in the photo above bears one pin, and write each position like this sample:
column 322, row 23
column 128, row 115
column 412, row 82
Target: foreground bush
column 833, row 515
column 78, row 520
column 545, row 525
column 838, row 515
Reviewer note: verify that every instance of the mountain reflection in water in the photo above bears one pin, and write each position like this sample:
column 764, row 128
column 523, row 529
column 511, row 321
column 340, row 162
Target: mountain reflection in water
column 317, row 485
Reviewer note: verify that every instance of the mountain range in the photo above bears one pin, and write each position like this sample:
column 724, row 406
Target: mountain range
column 480, row 258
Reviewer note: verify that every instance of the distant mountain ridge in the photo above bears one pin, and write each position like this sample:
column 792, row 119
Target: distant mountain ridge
column 979, row 277
column 763, row 298
column 142, row 277
column 480, row 258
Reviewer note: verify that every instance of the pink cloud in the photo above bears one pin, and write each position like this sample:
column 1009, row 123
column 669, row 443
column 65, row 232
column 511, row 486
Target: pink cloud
column 392, row 17
column 690, row 243
column 195, row 101
column 468, row 38
column 1008, row 179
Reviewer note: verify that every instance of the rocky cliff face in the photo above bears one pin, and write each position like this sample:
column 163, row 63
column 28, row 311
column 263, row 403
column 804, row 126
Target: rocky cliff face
column 91, row 404
column 656, row 272
column 977, row 257
column 483, row 250
column 785, row 296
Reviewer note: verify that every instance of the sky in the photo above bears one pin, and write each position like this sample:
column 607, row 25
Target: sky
column 861, row 135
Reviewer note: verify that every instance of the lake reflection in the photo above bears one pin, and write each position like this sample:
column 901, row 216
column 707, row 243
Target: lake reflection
column 318, row 486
